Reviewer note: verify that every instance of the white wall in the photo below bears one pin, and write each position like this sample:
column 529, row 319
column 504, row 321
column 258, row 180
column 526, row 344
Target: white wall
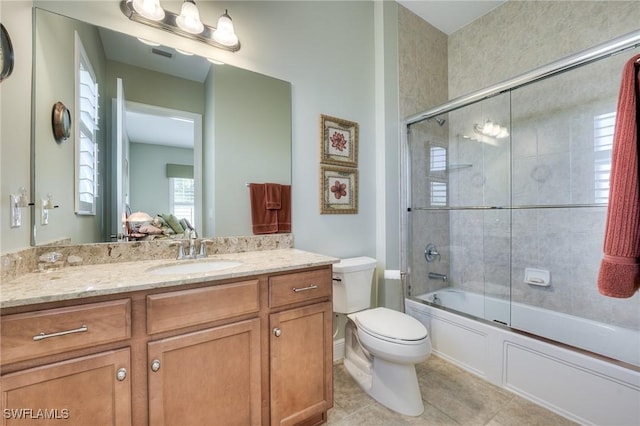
column 326, row 51
column 150, row 185
column 15, row 122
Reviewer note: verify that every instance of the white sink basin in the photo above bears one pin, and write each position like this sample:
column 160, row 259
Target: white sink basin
column 195, row 267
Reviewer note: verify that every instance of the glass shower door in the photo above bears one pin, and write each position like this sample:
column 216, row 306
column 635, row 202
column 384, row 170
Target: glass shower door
column 460, row 198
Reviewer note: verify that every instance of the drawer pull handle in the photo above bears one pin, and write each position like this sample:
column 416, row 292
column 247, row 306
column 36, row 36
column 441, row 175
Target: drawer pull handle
column 311, row 287
column 277, row 332
column 43, row 335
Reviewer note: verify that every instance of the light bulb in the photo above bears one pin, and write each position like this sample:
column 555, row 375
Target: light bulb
column 189, row 19
column 224, row 33
column 149, row 9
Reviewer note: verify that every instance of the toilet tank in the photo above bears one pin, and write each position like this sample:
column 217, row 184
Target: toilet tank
column 352, row 284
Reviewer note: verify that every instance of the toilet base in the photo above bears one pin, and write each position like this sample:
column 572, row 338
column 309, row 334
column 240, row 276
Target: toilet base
column 396, row 387
column 392, row 384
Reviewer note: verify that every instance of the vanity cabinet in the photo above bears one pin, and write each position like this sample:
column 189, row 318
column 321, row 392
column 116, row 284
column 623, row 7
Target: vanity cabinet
column 209, row 376
column 301, row 364
column 250, row 351
column 206, row 377
column 89, row 390
column 301, row 347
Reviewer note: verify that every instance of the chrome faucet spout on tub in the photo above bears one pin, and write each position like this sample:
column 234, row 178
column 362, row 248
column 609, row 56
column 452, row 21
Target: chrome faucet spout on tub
column 436, row 276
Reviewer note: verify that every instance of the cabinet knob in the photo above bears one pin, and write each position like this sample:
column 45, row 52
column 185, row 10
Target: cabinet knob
column 277, row 332
column 121, row 374
column 155, row 365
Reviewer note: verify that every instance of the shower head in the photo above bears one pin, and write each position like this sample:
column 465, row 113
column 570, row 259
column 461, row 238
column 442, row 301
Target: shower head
column 440, row 121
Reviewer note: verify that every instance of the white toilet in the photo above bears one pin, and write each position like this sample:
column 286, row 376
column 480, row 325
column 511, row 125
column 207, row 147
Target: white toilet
column 382, row 346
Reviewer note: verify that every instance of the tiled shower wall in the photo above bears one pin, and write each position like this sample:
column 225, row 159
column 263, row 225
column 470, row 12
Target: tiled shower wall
column 552, row 143
column 423, row 81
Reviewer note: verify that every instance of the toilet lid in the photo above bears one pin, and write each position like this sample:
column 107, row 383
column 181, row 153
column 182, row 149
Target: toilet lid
column 390, row 324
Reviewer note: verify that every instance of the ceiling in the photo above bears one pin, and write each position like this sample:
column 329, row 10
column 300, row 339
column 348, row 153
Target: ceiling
column 451, row 15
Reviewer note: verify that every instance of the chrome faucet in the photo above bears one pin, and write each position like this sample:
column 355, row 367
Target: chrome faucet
column 436, row 276
column 193, row 236
column 181, row 254
column 193, row 240
column 203, row 249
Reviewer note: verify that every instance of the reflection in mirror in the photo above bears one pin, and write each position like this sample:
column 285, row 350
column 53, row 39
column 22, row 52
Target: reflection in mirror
column 190, row 135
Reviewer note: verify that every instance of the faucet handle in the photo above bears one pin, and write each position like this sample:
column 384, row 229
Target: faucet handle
column 203, row 249
column 181, row 253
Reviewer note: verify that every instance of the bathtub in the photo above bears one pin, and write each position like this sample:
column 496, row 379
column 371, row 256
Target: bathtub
column 586, row 388
column 615, row 342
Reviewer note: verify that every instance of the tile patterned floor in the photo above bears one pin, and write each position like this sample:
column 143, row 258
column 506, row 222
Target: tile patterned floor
column 451, row 396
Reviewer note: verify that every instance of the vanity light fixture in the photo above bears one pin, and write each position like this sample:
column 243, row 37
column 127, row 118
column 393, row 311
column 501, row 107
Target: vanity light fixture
column 186, row 24
column 493, row 130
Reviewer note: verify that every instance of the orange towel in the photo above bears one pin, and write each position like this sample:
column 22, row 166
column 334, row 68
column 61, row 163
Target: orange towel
column 263, row 221
column 284, row 214
column 619, row 274
column 272, row 199
column 268, row 220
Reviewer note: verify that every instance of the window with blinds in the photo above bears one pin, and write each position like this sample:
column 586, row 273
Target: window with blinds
column 438, row 176
column 87, row 126
column 603, row 127
column 182, row 198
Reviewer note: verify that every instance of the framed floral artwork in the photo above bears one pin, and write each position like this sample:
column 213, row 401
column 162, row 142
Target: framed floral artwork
column 339, row 141
column 339, row 190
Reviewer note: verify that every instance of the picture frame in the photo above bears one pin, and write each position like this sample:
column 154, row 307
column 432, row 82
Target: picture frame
column 338, row 141
column 338, row 190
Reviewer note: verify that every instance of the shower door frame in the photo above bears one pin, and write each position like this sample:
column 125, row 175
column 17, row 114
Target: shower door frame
column 625, row 42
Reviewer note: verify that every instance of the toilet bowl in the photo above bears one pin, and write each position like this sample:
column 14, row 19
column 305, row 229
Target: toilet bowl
column 382, row 346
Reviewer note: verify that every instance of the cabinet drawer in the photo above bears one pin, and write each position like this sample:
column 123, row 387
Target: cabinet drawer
column 298, row 287
column 34, row 334
column 178, row 309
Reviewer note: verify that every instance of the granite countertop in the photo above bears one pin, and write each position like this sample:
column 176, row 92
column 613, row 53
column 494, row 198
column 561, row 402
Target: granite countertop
column 75, row 282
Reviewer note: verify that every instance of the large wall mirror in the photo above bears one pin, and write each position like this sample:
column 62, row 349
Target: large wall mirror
column 153, row 129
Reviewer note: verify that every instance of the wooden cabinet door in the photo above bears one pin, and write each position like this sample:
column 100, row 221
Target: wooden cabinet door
column 91, row 390
column 301, row 364
column 208, row 377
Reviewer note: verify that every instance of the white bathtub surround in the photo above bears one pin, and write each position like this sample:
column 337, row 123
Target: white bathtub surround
column 583, row 388
column 615, row 342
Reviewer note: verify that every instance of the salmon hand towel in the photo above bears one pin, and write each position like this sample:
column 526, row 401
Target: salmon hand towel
column 263, row 220
column 273, row 199
column 619, row 274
